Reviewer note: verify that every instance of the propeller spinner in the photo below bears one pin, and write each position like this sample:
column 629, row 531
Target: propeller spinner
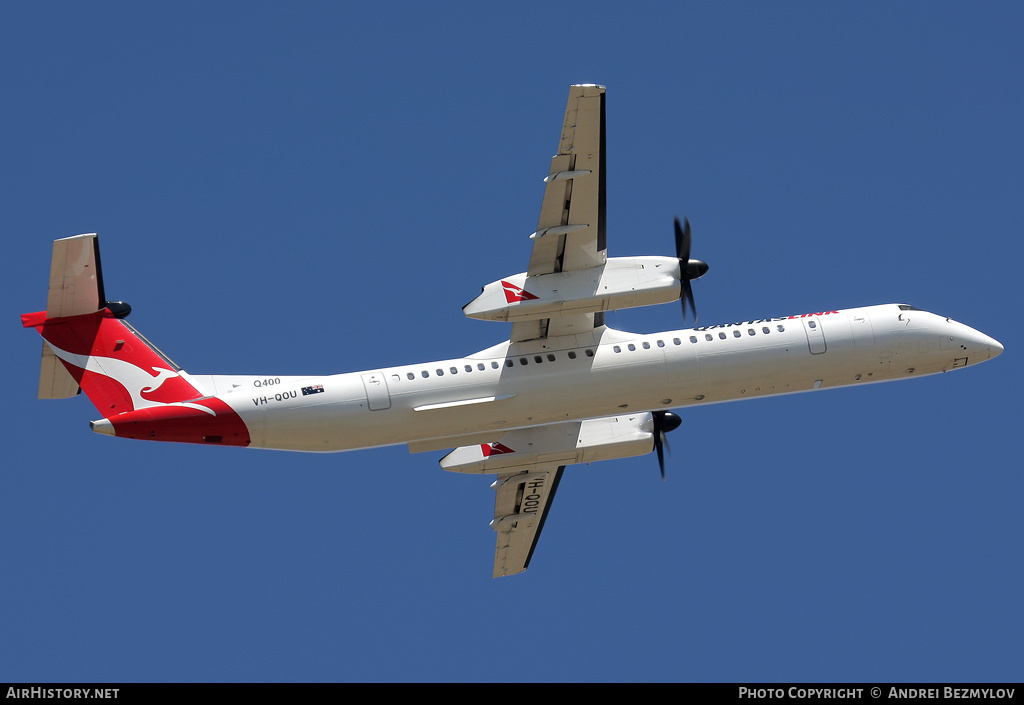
column 689, row 269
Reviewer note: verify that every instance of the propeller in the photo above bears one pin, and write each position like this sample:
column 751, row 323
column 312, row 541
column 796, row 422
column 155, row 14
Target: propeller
column 664, row 421
column 689, row 269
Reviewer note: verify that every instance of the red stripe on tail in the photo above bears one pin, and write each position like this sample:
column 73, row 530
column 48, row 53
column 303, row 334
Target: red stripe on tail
column 136, row 387
column 115, row 366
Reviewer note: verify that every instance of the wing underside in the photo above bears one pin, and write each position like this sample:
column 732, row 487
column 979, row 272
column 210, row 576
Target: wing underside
column 529, row 463
column 571, row 229
column 570, row 237
column 521, row 505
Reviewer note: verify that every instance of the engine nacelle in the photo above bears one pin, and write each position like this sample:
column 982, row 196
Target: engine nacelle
column 622, row 282
column 558, row 444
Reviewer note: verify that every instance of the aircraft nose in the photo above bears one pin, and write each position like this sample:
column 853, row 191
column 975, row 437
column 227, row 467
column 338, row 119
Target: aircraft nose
column 987, row 348
column 995, row 348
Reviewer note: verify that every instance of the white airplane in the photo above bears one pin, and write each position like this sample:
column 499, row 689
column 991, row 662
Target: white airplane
column 564, row 389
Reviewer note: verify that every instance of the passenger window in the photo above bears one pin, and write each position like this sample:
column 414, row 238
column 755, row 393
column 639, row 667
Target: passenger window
column 589, row 352
column 410, row 375
column 494, row 365
column 551, row 358
column 693, row 339
column 647, row 346
column 440, row 372
column 425, row 374
column 480, row 366
column 812, row 324
column 631, row 347
column 469, row 368
column 751, row 331
column 766, row 330
column 782, row 329
column 572, row 355
column 736, row 334
column 522, row 361
column 721, row 335
column 677, row 341
column 617, row 348
column 509, row 363
column 454, row 370
column 661, row 343
column 538, row 359
column 708, row 336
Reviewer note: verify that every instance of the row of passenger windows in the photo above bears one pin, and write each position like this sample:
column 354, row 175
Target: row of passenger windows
column 765, row 330
column 707, row 336
column 551, row 357
column 509, row 362
column 646, row 345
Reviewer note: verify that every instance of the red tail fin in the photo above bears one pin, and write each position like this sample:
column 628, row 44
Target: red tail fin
column 117, row 368
column 139, row 391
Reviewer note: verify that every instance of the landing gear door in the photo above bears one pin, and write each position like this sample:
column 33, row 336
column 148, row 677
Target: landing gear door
column 376, row 387
column 815, row 338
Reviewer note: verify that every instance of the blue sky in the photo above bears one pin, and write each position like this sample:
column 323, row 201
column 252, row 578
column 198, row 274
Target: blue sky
column 320, row 188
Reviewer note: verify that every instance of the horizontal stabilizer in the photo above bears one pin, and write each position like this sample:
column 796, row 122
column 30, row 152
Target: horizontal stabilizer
column 76, row 283
column 55, row 382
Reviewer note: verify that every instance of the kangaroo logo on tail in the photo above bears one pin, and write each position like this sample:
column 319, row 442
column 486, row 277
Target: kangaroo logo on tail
column 89, row 347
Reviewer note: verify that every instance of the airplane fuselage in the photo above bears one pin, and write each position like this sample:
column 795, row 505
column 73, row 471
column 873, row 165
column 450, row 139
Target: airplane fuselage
column 600, row 373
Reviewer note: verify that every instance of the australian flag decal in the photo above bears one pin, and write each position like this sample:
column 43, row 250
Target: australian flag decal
column 315, row 389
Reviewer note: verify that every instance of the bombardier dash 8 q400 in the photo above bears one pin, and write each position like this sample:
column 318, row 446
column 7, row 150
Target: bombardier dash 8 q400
column 563, row 389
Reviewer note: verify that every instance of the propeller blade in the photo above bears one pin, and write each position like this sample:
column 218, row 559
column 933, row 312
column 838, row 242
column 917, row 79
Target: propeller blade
column 664, row 421
column 687, row 295
column 689, row 269
column 659, row 447
column 683, row 242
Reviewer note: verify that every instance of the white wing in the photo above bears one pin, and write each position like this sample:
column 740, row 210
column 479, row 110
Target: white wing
column 570, row 233
column 529, row 464
column 521, row 505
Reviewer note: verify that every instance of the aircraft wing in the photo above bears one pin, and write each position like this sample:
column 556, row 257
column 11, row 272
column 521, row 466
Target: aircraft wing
column 571, row 230
column 521, row 505
column 529, row 464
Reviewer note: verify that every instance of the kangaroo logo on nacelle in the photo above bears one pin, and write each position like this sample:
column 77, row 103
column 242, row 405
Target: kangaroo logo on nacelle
column 515, row 294
column 490, row 449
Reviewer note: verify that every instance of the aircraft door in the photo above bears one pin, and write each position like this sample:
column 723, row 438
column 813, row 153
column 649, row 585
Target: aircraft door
column 863, row 335
column 815, row 338
column 377, row 395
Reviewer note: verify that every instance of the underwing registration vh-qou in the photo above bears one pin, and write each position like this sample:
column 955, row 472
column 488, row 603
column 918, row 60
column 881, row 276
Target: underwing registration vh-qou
column 563, row 389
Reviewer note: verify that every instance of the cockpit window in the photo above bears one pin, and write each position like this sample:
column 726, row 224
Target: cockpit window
column 908, row 307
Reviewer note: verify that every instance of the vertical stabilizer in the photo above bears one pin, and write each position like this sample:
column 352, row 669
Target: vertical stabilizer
column 88, row 346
